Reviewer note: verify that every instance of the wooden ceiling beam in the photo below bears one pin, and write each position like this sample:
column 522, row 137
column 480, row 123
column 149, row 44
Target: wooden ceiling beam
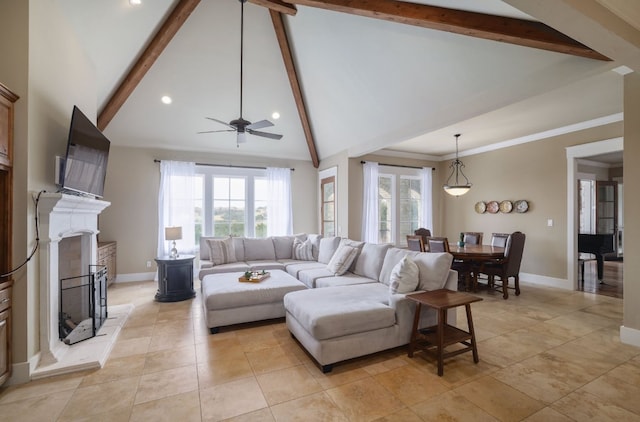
column 480, row 25
column 277, row 5
column 160, row 40
column 287, row 57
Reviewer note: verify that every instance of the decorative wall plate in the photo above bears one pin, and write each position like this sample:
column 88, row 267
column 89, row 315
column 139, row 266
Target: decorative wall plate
column 521, row 206
column 493, row 207
column 506, row 207
column 481, row 207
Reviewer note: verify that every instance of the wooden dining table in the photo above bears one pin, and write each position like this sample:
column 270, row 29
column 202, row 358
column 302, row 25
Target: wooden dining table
column 473, row 256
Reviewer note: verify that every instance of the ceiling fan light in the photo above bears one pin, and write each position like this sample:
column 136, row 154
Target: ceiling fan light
column 242, row 137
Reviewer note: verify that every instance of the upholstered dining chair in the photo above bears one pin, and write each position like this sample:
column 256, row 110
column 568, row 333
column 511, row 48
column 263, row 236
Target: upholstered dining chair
column 415, row 243
column 437, row 244
column 508, row 267
column 499, row 239
column 472, row 238
column 422, row 232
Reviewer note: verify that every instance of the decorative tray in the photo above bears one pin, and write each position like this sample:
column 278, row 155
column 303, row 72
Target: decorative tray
column 254, row 278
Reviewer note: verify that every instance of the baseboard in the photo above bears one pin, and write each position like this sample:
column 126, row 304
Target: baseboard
column 133, row 277
column 630, row 336
column 559, row 283
column 20, row 373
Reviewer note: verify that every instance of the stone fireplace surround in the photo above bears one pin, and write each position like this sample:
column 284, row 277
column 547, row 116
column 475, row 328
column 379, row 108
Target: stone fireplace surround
column 65, row 216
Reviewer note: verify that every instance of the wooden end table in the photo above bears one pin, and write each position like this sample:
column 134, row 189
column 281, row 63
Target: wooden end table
column 442, row 335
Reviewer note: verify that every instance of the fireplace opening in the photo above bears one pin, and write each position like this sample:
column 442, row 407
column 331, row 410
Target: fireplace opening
column 83, row 305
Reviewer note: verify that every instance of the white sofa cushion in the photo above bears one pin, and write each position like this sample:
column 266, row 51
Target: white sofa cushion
column 328, row 246
column 311, row 275
column 221, row 251
column 283, row 246
column 354, row 244
column 315, row 244
column 391, row 259
column 369, row 262
column 404, row 276
column 346, row 279
column 434, row 269
column 354, row 309
column 293, row 268
column 223, row 268
column 238, row 244
column 342, row 259
column 257, row 249
column 303, row 251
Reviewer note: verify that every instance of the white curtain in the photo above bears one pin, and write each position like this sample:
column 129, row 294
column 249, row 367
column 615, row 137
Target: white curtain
column 370, row 203
column 426, row 175
column 279, row 206
column 176, row 205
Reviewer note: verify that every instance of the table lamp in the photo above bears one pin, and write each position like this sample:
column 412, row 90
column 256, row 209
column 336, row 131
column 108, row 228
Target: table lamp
column 173, row 233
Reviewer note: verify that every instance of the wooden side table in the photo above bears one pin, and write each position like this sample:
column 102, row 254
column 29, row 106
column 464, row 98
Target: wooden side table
column 175, row 278
column 442, row 335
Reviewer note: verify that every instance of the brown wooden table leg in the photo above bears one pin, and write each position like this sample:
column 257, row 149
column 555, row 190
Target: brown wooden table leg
column 442, row 321
column 474, row 348
column 414, row 331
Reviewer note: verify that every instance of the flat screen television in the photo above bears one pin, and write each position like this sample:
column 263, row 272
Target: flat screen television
column 85, row 165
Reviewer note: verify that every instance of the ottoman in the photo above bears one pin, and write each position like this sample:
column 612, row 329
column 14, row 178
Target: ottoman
column 227, row 301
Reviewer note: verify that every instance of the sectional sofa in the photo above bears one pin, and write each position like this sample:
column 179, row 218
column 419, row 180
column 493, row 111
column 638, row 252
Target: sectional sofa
column 351, row 309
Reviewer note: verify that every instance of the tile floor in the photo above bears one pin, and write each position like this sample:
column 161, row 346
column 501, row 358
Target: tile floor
column 548, row 355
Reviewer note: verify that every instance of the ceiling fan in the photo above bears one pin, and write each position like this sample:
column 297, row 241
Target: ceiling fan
column 240, row 125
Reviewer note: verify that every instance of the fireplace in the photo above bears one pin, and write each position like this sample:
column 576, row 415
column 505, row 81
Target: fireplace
column 68, row 248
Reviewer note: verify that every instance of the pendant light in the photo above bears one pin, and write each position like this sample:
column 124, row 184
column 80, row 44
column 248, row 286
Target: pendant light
column 457, row 188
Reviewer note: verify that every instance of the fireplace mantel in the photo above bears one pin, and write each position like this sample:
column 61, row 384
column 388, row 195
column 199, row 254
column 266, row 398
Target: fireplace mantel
column 61, row 216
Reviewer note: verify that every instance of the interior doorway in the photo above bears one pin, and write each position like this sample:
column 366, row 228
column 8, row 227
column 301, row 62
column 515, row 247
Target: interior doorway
column 589, row 165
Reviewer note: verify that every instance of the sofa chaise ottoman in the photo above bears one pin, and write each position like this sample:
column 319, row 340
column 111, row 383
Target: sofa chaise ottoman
column 227, row 301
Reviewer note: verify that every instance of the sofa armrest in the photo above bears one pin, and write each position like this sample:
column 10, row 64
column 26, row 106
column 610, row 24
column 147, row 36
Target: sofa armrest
column 452, row 281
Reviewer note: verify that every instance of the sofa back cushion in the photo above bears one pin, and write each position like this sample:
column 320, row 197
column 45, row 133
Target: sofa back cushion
column 391, row 259
column 315, row 244
column 283, row 246
column 328, row 246
column 238, row 244
column 434, row 269
column 259, row 249
column 369, row 262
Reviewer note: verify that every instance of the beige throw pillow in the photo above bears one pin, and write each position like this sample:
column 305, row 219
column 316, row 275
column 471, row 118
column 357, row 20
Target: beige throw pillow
column 342, row 259
column 221, row 251
column 303, row 251
column 404, row 276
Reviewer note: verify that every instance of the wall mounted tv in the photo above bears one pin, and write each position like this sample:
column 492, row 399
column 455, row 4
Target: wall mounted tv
column 85, row 166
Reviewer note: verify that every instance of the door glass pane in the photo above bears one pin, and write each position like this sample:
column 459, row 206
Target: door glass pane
column 328, row 190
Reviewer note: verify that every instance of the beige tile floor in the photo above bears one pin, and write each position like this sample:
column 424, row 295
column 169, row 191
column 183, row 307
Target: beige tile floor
column 548, row 355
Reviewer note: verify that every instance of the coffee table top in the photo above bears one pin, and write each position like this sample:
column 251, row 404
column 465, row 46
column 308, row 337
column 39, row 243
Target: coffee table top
column 443, row 298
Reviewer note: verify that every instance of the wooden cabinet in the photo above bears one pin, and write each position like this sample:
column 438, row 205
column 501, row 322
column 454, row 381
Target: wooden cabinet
column 175, row 278
column 7, row 98
column 107, row 257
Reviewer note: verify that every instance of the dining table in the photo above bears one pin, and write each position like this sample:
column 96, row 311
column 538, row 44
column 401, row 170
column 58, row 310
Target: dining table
column 472, row 258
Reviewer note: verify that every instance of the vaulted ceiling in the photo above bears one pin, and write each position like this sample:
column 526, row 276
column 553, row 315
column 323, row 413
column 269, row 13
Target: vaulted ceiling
column 371, row 76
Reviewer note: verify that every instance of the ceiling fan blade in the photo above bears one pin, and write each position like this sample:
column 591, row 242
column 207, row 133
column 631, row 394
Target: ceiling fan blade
column 260, row 124
column 264, row 134
column 220, row 121
column 214, row 131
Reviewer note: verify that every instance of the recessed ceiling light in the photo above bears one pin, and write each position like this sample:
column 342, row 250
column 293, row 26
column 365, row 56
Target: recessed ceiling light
column 275, row 115
column 135, row 2
column 166, row 99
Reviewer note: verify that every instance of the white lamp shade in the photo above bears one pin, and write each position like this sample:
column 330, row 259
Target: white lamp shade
column 242, row 137
column 173, row 233
column 457, row 190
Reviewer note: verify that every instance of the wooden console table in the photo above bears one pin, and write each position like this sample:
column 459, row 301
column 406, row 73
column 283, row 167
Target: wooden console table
column 440, row 336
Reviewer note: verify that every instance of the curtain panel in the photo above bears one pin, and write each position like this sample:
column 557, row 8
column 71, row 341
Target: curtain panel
column 279, row 206
column 370, row 203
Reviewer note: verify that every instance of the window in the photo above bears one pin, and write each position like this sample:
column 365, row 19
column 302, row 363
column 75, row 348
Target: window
column 328, row 212
column 399, row 204
column 232, row 202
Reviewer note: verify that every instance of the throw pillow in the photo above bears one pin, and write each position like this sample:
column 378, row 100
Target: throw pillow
column 221, row 251
column 342, row 259
column 302, row 251
column 404, row 276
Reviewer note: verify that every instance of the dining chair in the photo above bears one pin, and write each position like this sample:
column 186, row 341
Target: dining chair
column 508, row 267
column 472, row 238
column 415, row 243
column 499, row 239
column 422, row 232
column 437, row 244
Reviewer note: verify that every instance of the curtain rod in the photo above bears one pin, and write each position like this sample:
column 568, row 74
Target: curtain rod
column 398, row 165
column 226, row 165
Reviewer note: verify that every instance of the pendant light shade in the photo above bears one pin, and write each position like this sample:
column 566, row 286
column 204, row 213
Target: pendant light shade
column 454, row 185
